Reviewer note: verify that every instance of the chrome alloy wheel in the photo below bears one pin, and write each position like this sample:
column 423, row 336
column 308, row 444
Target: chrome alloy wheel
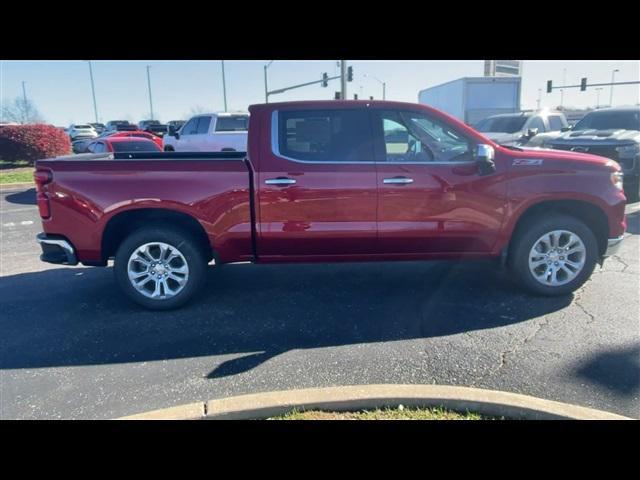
column 158, row 270
column 557, row 257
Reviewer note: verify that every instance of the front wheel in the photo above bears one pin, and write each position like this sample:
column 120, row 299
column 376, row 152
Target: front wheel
column 160, row 268
column 555, row 255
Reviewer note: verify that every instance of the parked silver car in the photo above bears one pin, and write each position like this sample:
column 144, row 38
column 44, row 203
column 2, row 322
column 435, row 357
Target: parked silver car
column 531, row 129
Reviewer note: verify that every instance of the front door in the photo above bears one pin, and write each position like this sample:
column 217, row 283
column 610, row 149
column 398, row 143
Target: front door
column 317, row 184
column 432, row 199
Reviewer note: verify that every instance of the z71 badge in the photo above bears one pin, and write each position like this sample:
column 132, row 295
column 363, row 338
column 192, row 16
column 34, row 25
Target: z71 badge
column 527, row 161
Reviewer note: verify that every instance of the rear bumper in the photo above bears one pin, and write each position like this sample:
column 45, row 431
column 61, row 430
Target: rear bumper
column 56, row 250
column 613, row 245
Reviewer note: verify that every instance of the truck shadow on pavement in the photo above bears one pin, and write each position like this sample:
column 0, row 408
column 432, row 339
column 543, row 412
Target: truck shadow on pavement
column 26, row 197
column 76, row 316
column 616, row 369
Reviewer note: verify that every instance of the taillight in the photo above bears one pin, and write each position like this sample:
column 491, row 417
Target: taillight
column 42, row 177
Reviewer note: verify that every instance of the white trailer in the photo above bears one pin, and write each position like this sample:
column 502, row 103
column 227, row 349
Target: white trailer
column 471, row 99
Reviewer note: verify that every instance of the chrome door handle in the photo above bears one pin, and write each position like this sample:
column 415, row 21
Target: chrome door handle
column 280, row 181
column 398, row 180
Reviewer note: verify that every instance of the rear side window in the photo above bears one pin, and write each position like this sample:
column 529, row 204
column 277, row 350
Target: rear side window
column 232, row 124
column 555, row 123
column 203, row 125
column 134, row 146
column 325, row 135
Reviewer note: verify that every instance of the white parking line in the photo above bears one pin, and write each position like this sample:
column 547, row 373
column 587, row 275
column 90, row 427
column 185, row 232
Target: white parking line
column 13, row 224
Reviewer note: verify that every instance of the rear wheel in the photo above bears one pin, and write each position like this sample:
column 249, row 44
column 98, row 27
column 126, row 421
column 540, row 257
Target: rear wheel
column 160, row 268
column 553, row 255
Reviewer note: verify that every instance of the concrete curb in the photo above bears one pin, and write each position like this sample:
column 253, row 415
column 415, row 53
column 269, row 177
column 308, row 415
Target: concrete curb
column 359, row 397
column 11, row 186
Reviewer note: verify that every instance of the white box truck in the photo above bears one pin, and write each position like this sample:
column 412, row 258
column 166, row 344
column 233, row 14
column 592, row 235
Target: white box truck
column 471, row 99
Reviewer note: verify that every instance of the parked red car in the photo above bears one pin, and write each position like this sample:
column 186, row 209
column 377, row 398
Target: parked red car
column 333, row 181
column 139, row 134
column 117, row 143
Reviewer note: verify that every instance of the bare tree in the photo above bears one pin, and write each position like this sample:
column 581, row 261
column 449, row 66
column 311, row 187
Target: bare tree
column 197, row 110
column 21, row 111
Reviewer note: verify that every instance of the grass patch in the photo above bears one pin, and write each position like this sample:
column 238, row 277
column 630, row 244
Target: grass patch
column 16, row 175
column 399, row 413
column 8, row 164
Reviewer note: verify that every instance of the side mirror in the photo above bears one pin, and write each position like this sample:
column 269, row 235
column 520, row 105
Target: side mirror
column 171, row 130
column 177, row 135
column 532, row 132
column 484, row 156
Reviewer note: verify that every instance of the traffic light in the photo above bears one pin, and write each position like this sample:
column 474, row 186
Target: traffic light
column 338, row 96
column 549, row 86
column 349, row 74
column 583, row 84
column 325, row 78
column 355, row 96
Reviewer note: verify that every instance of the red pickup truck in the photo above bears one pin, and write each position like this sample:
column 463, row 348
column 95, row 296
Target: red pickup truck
column 327, row 181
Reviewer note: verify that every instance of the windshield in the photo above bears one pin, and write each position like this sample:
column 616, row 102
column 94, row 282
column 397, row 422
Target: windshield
column 83, row 126
column 502, row 124
column 620, row 120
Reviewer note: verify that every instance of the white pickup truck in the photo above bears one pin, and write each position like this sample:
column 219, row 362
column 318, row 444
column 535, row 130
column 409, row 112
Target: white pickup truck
column 210, row 132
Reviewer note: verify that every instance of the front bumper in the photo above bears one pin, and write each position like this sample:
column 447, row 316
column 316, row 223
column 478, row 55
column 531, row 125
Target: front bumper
column 56, row 250
column 613, row 245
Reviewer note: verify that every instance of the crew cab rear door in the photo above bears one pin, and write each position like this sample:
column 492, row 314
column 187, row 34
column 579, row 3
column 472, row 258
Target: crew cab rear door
column 317, row 184
column 432, row 199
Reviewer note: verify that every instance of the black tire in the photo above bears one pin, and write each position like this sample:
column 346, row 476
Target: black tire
column 529, row 233
column 177, row 238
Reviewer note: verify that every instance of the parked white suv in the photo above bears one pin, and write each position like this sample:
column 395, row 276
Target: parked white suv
column 210, row 132
column 78, row 132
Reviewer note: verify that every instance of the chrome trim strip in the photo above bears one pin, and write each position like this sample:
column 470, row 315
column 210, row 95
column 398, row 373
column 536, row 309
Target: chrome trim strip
column 280, row 181
column 275, row 149
column 402, row 181
column 613, row 245
column 66, row 246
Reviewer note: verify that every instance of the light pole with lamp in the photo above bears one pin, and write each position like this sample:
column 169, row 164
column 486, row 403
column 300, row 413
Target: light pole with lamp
column 598, row 97
column 266, row 89
column 384, row 85
column 613, row 76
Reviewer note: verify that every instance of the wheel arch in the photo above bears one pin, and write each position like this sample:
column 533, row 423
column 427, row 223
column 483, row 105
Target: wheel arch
column 122, row 224
column 589, row 213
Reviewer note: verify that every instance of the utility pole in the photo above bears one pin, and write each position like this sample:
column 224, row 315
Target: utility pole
column 343, row 79
column 564, row 82
column 26, row 107
column 224, row 87
column 93, row 91
column 266, row 88
column 539, row 97
column 149, row 85
column 598, row 96
column 613, row 76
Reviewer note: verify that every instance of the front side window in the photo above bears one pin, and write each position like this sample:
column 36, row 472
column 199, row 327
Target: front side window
column 538, row 123
column 190, row 128
column 325, row 135
column 414, row 137
column 203, row 125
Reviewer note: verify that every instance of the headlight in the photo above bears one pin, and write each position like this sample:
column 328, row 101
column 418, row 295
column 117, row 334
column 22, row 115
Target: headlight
column 616, row 179
column 628, row 151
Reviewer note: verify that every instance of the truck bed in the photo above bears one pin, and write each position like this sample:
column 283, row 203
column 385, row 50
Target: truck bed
column 88, row 191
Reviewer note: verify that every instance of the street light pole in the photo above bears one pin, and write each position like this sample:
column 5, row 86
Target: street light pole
column 149, row 85
column 598, row 97
column 93, row 91
column 266, row 88
column 384, row 85
column 564, row 82
column 539, row 97
column 224, row 87
column 343, row 79
column 613, row 76
column 25, row 108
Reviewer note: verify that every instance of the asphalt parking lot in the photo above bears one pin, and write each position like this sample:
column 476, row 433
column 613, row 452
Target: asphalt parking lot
column 73, row 347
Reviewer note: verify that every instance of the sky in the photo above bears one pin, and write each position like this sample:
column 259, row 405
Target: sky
column 61, row 90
